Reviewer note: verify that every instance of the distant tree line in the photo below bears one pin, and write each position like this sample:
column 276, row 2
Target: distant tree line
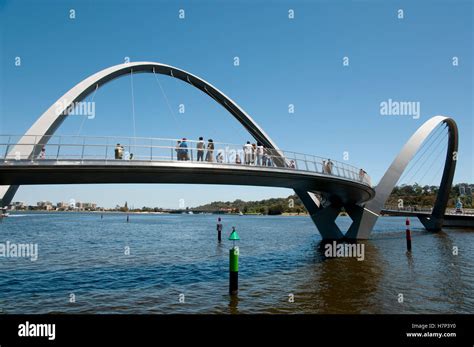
column 425, row 196
column 274, row 206
column 411, row 195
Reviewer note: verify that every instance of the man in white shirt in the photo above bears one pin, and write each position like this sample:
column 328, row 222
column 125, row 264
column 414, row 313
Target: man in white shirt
column 259, row 153
column 247, row 153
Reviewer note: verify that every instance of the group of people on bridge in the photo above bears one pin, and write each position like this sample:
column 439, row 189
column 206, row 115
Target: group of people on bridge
column 251, row 154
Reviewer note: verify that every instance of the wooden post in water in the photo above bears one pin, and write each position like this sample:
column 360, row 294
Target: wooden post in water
column 219, row 229
column 408, row 234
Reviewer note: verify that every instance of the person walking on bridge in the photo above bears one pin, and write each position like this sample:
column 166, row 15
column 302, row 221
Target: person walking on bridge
column 177, row 150
column 259, row 154
column 118, row 151
column 253, row 161
column 264, row 156
column 200, row 146
column 210, row 150
column 247, row 153
column 42, row 154
column 183, row 148
column 269, row 155
column 329, row 166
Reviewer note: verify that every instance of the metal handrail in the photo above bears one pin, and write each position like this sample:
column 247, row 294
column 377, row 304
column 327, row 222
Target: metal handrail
column 147, row 149
column 429, row 209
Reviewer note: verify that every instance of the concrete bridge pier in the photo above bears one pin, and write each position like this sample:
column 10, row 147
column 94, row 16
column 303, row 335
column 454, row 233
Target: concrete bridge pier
column 355, row 212
column 323, row 217
column 431, row 222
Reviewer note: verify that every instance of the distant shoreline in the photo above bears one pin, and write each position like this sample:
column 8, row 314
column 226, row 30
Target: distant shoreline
column 285, row 214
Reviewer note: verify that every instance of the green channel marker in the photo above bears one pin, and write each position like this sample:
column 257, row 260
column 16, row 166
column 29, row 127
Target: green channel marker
column 234, row 264
column 234, row 259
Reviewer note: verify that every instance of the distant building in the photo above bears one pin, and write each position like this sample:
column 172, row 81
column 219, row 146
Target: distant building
column 465, row 190
column 45, row 205
column 62, row 206
column 228, row 210
column 89, row 206
column 86, row 206
column 18, row 205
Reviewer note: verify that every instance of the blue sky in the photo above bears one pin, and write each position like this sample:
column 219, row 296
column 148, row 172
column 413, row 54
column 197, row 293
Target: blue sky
column 282, row 62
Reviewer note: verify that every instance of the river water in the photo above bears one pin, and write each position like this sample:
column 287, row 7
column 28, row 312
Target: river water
column 176, row 258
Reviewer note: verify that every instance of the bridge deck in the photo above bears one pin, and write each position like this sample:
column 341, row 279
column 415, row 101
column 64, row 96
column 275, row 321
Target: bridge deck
column 26, row 172
column 408, row 213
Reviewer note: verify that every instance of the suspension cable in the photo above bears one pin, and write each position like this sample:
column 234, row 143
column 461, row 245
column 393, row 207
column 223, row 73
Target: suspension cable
column 432, row 180
column 443, row 150
column 440, row 141
column 420, row 154
column 237, row 129
column 166, row 100
column 421, row 159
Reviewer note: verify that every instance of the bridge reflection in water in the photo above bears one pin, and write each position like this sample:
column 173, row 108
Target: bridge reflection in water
column 431, row 279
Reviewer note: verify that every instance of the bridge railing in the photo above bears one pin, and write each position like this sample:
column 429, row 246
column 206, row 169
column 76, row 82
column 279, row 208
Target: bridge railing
column 428, row 209
column 109, row 148
column 410, row 208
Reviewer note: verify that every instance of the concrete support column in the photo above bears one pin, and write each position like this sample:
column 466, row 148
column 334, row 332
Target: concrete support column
column 323, row 217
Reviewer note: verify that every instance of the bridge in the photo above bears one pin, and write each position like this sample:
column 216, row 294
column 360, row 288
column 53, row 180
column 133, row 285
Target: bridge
column 326, row 187
column 80, row 159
